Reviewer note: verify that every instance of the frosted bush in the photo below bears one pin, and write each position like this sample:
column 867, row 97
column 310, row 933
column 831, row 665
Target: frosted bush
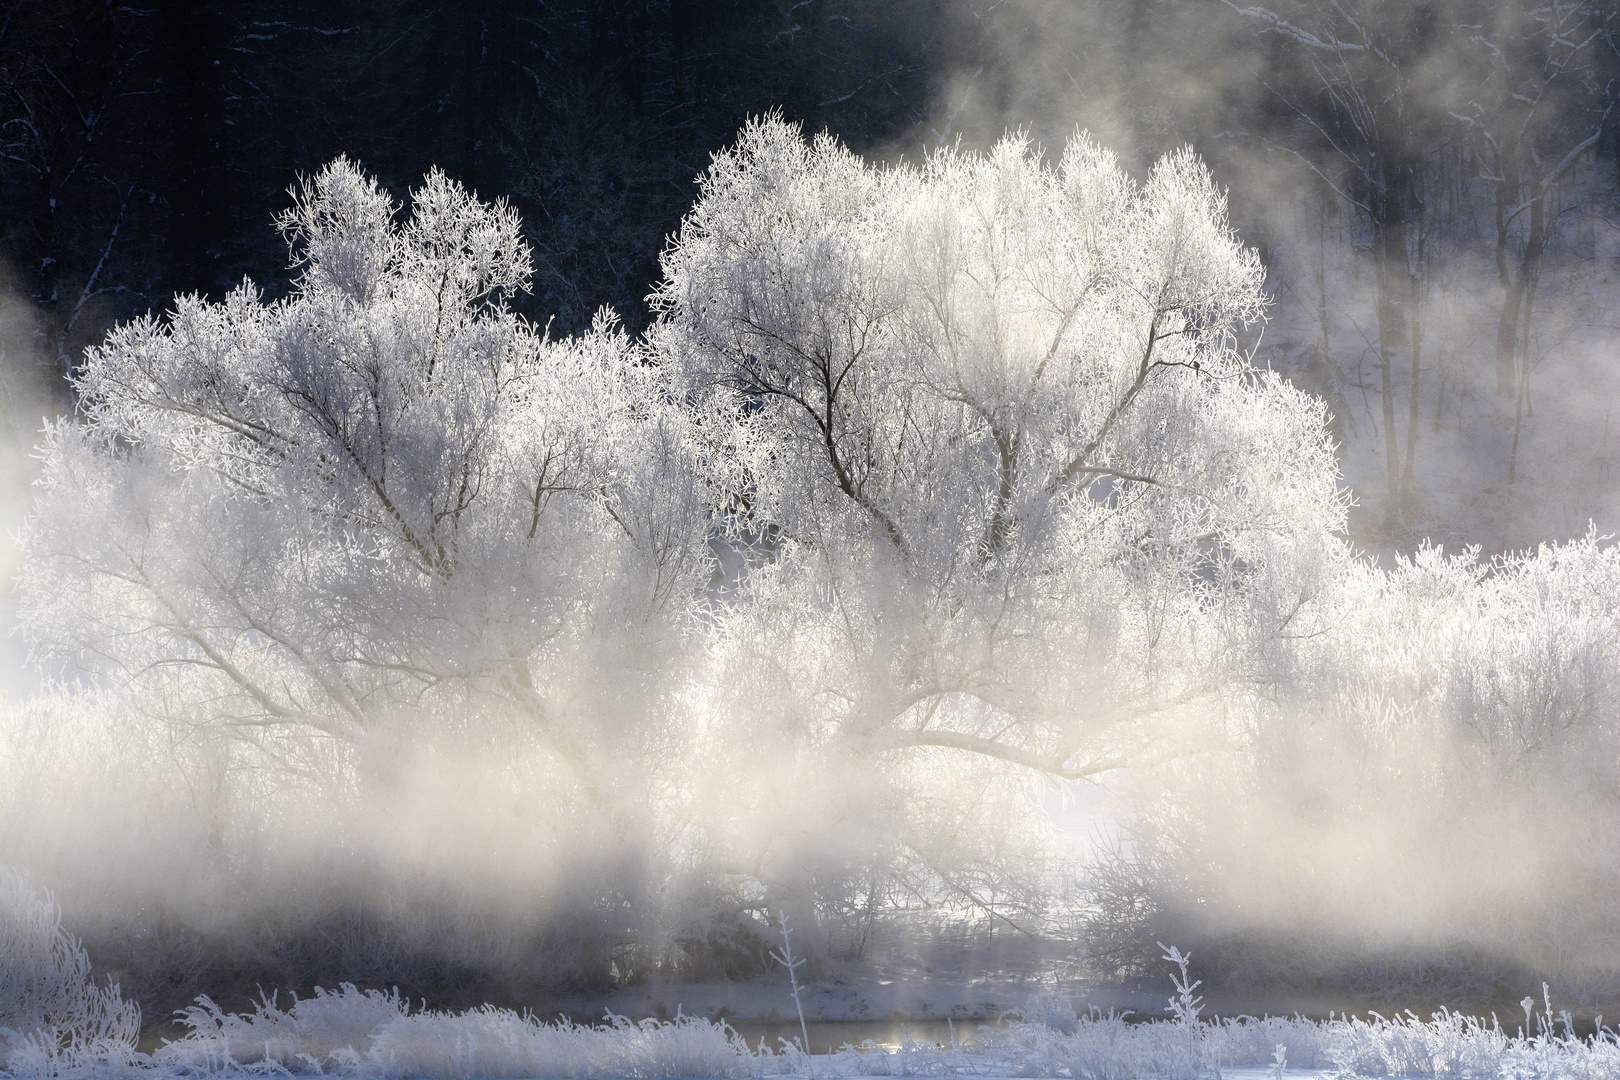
column 369, row 1033
column 54, row 1019
column 1475, row 696
column 498, row 1042
column 318, row 1032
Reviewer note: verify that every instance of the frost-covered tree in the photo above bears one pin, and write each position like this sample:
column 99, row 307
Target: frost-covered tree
column 992, row 419
column 1014, row 491
column 382, row 504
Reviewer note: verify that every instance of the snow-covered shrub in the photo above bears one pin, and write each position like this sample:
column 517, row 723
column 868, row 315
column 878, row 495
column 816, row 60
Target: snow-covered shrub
column 55, row 1019
column 318, row 1032
column 1422, row 801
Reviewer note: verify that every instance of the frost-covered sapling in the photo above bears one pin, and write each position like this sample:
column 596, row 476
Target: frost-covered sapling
column 785, row 957
column 1186, row 1005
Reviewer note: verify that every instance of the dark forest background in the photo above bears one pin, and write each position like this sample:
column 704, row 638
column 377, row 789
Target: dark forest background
column 147, row 145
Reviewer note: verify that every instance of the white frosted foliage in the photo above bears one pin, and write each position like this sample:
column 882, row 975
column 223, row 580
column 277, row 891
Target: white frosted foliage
column 382, row 502
column 935, row 492
column 54, row 1017
column 1025, row 497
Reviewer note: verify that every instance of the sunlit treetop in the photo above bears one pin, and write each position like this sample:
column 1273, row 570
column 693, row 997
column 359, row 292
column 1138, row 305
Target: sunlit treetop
column 385, row 495
column 993, row 411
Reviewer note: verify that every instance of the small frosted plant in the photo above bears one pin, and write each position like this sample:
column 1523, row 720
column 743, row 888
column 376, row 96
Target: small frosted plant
column 1185, row 1005
column 785, row 957
column 1279, row 1062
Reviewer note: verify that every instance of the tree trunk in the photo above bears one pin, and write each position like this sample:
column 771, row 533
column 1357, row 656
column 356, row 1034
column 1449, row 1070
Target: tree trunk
column 1413, row 421
column 49, row 265
column 1513, row 330
column 1389, row 234
column 1507, row 326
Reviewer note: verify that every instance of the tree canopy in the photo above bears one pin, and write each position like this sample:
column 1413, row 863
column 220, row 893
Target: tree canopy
column 384, row 497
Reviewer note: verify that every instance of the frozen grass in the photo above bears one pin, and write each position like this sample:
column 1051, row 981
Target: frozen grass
column 369, row 1034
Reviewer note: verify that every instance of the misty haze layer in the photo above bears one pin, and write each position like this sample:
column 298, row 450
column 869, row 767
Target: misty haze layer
column 1432, row 186
column 67, row 1026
